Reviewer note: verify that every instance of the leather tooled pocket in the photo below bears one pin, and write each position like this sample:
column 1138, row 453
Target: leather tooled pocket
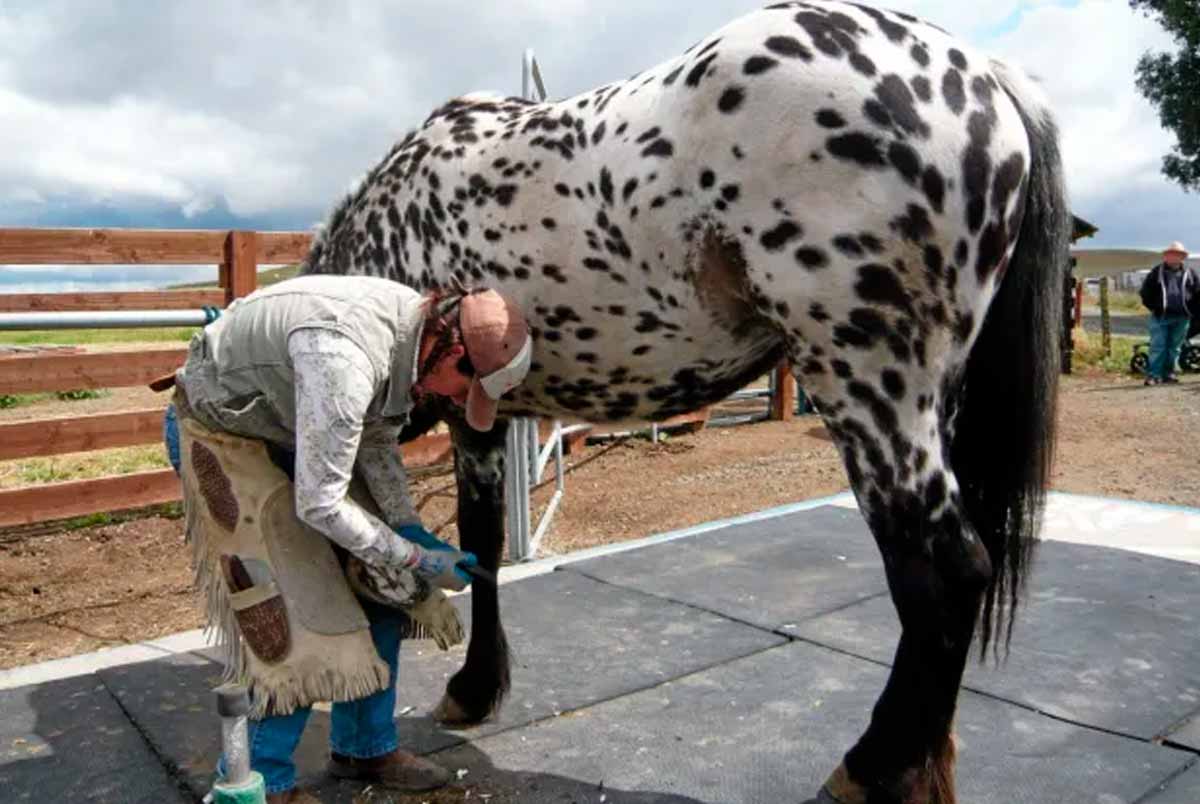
column 260, row 611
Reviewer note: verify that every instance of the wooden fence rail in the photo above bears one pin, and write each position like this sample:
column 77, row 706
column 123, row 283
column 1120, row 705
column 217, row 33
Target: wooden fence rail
column 238, row 255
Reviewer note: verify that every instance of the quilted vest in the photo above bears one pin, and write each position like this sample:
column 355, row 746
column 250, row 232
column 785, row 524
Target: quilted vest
column 239, row 378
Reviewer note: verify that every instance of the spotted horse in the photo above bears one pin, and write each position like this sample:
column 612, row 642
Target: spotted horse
column 848, row 188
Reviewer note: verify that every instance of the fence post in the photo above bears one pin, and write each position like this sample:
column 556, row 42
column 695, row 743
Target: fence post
column 1105, row 322
column 239, row 269
column 783, row 398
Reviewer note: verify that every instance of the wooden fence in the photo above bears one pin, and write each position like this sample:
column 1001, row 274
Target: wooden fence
column 238, row 255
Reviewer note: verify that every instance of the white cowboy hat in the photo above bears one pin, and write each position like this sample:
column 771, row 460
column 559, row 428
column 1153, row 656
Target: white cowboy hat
column 1177, row 247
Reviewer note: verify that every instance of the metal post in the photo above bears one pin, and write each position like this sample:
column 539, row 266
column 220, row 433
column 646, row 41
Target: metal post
column 516, row 486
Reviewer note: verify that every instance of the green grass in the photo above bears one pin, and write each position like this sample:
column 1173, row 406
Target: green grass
column 81, row 337
column 1089, row 352
column 83, row 465
column 1119, row 301
column 8, row 401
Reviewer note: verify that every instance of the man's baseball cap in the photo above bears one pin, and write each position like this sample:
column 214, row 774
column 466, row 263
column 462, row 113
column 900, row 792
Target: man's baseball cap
column 497, row 341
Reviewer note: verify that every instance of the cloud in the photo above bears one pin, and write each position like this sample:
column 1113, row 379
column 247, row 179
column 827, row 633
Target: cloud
column 1112, row 140
column 270, row 111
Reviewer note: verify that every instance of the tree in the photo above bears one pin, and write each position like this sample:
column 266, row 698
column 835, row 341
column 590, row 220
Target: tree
column 1171, row 82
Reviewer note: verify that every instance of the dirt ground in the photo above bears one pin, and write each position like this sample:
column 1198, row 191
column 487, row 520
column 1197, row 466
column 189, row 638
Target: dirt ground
column 71, row 592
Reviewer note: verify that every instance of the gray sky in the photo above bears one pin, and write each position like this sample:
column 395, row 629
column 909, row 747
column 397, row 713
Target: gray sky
column 262, row 113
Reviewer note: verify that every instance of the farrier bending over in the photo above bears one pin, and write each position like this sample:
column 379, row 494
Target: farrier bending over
column 285, row 401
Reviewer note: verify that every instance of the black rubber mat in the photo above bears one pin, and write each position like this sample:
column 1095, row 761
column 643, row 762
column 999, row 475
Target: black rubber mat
column 770, row 727
column 69, row 741
column 1183, row 789
column 775, row 573
column 575, row 642
column 1106, row 637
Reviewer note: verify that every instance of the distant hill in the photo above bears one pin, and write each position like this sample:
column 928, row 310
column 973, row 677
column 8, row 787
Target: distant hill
column 268, row 276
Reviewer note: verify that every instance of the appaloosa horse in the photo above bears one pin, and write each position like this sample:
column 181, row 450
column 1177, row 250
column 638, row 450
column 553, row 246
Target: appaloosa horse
column 849, row 188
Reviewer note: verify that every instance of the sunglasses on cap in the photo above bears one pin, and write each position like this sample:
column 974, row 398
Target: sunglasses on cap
column 509, row 376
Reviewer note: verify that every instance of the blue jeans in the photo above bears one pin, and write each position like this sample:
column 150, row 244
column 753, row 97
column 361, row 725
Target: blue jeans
column 1167, row 335
column 171, row 436
column 362, row 729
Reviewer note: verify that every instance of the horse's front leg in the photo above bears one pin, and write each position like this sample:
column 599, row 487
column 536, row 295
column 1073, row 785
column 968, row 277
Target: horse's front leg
column 477, row 690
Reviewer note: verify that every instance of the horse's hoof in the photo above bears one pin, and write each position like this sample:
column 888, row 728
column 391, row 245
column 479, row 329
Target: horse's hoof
column 449, row 712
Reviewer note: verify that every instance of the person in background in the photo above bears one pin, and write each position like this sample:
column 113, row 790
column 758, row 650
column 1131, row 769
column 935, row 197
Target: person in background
column 1171, row 292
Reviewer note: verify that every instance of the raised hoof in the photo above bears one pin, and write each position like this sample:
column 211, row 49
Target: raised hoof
column 449, row 712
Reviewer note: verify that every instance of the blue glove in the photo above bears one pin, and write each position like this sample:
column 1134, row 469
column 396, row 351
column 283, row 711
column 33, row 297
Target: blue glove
column 432, row 567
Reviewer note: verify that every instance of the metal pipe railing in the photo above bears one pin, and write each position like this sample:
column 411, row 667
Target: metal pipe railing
column 117, row 319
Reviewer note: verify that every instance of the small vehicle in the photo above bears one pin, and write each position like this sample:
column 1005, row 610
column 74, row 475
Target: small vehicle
column 1189, row 355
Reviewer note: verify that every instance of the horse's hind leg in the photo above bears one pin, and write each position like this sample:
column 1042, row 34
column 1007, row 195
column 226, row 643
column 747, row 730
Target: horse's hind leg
column 892, row 442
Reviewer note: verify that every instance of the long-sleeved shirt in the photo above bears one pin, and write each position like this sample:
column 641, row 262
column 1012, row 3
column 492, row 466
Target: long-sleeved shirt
column 333, row 380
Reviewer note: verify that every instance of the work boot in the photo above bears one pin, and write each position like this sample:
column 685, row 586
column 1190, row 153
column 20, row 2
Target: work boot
column 293, row 796
column 399, row 770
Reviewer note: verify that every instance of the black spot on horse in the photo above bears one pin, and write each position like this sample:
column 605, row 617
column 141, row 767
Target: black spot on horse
column 830, row 34
column 894, row 31
column 922, row 88
column 696, row 74
column 953, row 91
column 659, row 147
column 893, row 384
column 857, row 147
column 957, row 58
column 776, row 238
column 894, row 94
column 817, row 312
column 992, row 244
column 830, row 118
column 920, row 55
column 934, row 262
column 904, row 158
column 628, row 190
column 871, row 243
column 848, row 245
column 982, row 91
column 881, row 410
column 841, row 368
column 788, row 47
column 963, row 326
column 549, row 223
column 877, row 113
column 914, row 225
column 595, row 264
column 861, row 63
column 1007, row 180
column 934, row 187
column 960, row 252
column 812, row 258
column 606, row 185
column 977, row 167
column 730, row 192
column 878, row 283
column 731, row 99
column 585, row 333
column 757, row 65
column 707, row 179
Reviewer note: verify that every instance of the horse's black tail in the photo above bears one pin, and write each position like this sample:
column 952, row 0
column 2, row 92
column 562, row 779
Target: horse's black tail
column 1005, row 425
